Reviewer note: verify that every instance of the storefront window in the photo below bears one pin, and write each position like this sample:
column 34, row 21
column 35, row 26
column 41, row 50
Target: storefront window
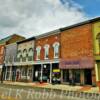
column 29, row 75
column 38, row 49
column 77, row 76
column 46, row 47
column 65, row 75
column 8, row 73
column 56, row 49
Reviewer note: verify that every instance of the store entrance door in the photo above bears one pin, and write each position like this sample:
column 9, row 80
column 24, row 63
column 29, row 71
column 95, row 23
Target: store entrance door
column 88, row 76
column 37, row 73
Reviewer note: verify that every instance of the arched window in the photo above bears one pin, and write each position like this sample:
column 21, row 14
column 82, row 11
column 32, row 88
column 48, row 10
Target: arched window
column 56, row 49
column 46, row 48
column 19, row 54
column 38, row 49
column 24, row 53
column 30, row 53
column 97, row 43
column 98, row 36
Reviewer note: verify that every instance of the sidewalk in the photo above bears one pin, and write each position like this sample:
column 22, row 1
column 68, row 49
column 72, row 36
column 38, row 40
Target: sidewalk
column 88, row 89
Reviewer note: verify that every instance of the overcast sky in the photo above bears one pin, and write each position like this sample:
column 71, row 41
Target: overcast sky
column 34, row 17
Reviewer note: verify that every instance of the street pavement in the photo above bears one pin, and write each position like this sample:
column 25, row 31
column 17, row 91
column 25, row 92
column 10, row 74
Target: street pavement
column 9, row 92
column 88, row 89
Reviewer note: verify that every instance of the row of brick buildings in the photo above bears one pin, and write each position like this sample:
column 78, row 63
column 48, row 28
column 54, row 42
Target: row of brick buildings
column 69, row 53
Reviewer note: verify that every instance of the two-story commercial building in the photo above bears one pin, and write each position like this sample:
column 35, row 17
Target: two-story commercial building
column 70, row 55
column 24, row 60
column 10, row 57
column 47, row 56
column 3, row 42
column 80, row 53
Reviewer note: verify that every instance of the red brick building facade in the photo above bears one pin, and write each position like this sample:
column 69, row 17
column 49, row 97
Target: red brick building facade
column 47, row 55
column 77, row 54
column 1, row 54
column 50, row 40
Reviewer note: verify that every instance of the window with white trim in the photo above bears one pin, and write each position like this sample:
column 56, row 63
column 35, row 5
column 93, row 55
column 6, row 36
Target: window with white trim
column 56, row 49
column 46, row 48
column 38, row 49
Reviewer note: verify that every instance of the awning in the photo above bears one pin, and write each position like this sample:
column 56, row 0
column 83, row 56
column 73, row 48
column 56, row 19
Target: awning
column 83, row 63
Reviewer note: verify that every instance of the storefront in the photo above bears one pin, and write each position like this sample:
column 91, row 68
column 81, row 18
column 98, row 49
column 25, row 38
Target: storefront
column 46, row 72
column 41, row 73
column 75, row 72
column 24, row 73
column 71, row 75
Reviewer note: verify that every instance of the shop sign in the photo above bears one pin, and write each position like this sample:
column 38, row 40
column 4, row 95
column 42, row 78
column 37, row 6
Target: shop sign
column 84, row 62
column 56, row 70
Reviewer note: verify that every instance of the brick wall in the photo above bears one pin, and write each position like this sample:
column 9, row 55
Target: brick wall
column 1, row 54
column 46, row 40
column 77, row 42
column 15, row 38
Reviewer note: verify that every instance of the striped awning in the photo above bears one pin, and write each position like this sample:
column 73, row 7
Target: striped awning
column 83, row 63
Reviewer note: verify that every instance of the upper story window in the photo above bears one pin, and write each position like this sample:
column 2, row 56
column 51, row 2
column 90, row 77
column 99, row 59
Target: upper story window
column 19, row 54
column 56, row 49
column 30, row 53
column 10, row 58
column 38, row 49
column 24, row 53
column 98, row 43
column 46, row 48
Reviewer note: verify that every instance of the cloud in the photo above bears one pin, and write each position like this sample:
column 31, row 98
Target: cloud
column 34, row 17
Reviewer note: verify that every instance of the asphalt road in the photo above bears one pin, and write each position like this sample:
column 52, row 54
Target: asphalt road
column 8, row 92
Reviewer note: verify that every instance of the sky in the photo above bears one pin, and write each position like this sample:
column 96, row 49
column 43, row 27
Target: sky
column 34, row 17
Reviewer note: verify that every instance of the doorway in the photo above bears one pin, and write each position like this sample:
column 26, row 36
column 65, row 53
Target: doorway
column 46, row 73
column 37, row 73
column 88, row 76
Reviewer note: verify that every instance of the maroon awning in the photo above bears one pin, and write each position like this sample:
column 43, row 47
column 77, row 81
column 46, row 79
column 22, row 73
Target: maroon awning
column 83, row 63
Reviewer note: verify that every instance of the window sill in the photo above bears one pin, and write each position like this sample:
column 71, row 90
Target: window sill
column 46, row 58
column 56, row 57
